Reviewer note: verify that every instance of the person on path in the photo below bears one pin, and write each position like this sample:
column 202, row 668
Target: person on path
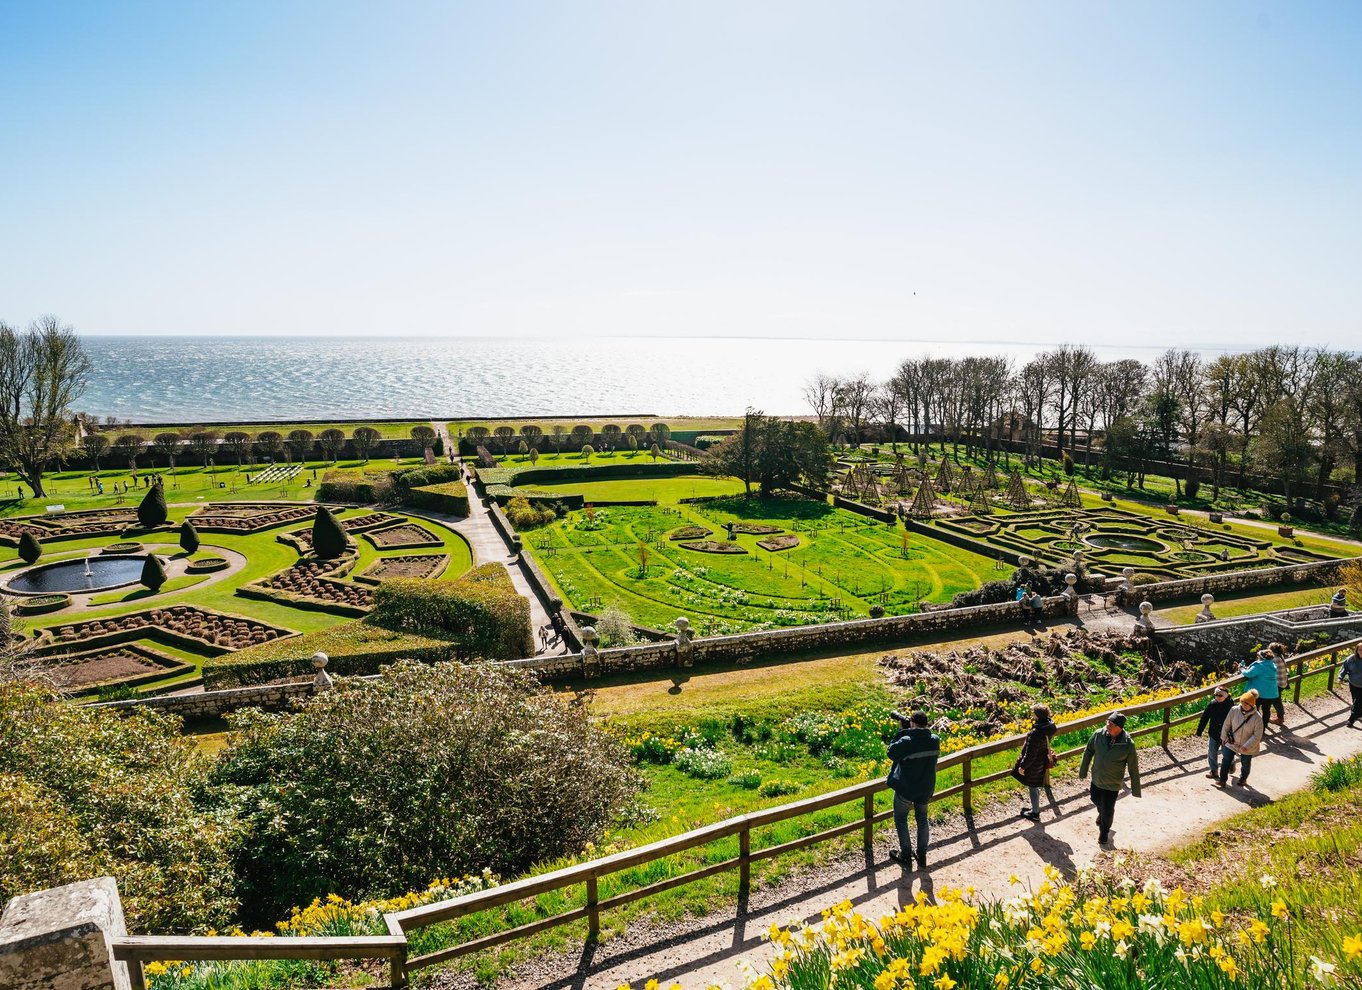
column 914, row 750
column 1110, row 754
column 1338, row 605
column 1213, row 718
column 1241, row 735
column 1280, row 655
column 1261, row 677
column 1036, row 758
column 1352, row 673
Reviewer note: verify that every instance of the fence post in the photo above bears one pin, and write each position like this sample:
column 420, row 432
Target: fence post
column 593, row 913
column 397, row 972
column 1167, row 718
column 744, row 861
column 966, row 777
column 869, row 828
column 1333, row 659
column 1300, row 676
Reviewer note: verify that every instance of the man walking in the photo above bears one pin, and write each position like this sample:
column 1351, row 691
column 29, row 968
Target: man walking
column 912, row 778
column 1110, row 754
column 1352, row 673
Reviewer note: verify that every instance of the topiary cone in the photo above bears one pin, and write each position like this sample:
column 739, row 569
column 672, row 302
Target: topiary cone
column 152, row 511
column 153, row 573
column 189, row 537
column 328, row 539
column 29, row 548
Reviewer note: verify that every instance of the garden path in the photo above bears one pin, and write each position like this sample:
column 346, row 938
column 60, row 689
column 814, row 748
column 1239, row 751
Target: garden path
column 982, row 851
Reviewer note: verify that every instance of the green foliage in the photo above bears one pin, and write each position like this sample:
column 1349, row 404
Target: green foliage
column 153, row 572
column 525, row 516
column 449, row 497
column 778, row 788
column 429, row 771
column 774, row 454
column 328, row 539
column 702, row 762
column 615, row 628
column 29, row 548
column 360, row 487
column 1338, row 775
column 152, row 510
column 189, row 537
column 86, row 792
column 482, row 610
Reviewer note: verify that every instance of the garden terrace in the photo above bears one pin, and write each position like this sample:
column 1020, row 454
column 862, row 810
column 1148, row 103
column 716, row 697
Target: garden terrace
column 125, row 665
column 844, row 565
column 68, row 525
column 1113, row 539
column 312, row 582
column 301, row 539
column 248, row 517
column 187, row 622
column 422, row 565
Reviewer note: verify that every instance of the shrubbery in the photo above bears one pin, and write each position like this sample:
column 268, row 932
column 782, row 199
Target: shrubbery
column 450, row 497
column 189, row 537
column 153, row 572
column 429, row 771
column 482, row 610
column 29, row 548
column 86, row 792
column 360, row 487
column 328, row 539
column 523, row 515
column 615, row 628
column 152, row 511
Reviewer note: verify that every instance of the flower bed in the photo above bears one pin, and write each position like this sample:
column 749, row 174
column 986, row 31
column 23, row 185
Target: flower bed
column 402, row 537
column 714, row 546
column 425, row 565
column 41, row 604
column 689, row 533
column 121, row 548
column 205, row 565
column 787, row 541
column 754, row 529
column 187, row 622
column 247, row 517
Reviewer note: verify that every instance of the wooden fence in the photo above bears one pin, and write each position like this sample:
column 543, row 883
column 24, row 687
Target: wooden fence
column 393, row 947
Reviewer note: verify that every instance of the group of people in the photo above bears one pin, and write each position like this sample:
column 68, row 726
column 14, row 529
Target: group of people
column 1235, row 731
column 1032, row 603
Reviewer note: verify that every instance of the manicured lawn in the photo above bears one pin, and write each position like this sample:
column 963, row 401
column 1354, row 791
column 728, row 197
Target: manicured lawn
column 664, row 491
column 843, row 565
column 1229, row 606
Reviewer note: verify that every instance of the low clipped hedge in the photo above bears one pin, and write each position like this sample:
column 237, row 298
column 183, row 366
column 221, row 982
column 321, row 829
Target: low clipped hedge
column 359, row 487
column 353, row 648
column 482, row 608
column 450, row 497
column 41, row 604
column 525, row 474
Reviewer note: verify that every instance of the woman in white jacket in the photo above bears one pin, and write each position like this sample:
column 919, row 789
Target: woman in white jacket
column 1241, row 736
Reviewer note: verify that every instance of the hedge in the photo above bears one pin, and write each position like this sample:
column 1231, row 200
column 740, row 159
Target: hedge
column 527, row 475
column 482, row 608
column 352, row 648
column 354, row 486
column 450, row 497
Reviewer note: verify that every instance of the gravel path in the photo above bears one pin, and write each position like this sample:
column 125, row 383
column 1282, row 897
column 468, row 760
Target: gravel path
column 981, row 851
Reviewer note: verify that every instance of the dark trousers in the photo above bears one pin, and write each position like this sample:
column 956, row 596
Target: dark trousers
column 1227, row 756
column 1356, row 715
column 1269, row 704
column 1105, row 801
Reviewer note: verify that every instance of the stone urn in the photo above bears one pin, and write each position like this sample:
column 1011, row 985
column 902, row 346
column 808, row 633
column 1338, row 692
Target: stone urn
column 1286, row 529
column 1206, row 615
column 1216, row 517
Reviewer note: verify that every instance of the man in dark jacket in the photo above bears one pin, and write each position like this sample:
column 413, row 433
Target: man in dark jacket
column 914, row 751
column 1213, row 717
column 1110, row 754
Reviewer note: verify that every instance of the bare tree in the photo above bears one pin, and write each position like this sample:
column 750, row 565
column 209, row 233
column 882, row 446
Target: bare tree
column 167, row 444
column 95, row 443
column 300, row 443
column 332, row 442
column 820, row 392
column 366, row 439
column 43, row 370
column 239, row 443
column 204, row 444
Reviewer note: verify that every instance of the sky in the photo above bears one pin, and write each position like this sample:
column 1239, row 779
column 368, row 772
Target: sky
column 1181, row 173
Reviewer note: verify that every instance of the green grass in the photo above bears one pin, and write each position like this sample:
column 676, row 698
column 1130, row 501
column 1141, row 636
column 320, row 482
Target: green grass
column 664, row 491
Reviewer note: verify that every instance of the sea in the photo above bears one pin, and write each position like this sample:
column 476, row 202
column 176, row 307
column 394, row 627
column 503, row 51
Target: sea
column 201, row 379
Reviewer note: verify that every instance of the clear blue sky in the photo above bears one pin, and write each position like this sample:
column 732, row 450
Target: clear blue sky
column 1184, row 173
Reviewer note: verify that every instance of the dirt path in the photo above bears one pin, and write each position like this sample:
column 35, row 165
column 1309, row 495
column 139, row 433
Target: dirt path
column 981, row 851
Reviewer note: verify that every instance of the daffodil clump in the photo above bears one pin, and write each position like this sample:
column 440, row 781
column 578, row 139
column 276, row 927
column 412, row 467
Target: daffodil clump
column 1084, row 934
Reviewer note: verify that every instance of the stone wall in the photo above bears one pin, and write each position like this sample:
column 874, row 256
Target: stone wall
column 207, row 704
column 1235, row 639
column 59, row 939
column 1323, row 572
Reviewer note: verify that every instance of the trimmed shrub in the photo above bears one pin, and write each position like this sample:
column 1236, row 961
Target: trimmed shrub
column 482, row 610
column 449, row 497
column 328, row 539
column 152, row 511
column 29, row 548
column 153, row 572
column 189, row 537
column 75, row 787
column 428, row 771
column 360, row 487
column 523, row 515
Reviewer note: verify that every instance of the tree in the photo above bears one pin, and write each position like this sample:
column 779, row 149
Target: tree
column 655, row 451
column 366, row 439
column 95, row 444
column 581, row 435
column 153, row 573
column 152, row 511
column 167, row 444
column 661, row 433
column 534, row 456
column 128, row 446
column 239, row 443
column 189, row 538
column 29, row 548
column 42, row 372
column 472, row 761
column 204, row 444
column 328, row 539
column 272, row 444
column 300, row 443
column 331, row 441
column 504, row 435
column 424, row 436
column 587, row 451
column 1283, row 447
column 773, row 453
column 611, row 434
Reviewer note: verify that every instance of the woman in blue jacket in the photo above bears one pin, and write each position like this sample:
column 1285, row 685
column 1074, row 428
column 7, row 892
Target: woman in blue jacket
column 1261, row 676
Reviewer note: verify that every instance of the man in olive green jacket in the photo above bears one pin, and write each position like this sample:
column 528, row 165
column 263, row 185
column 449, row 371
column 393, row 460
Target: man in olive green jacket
column 1110, row 754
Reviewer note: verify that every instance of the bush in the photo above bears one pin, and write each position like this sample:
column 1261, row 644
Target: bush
column 450, row 497
column 152, row 511
column 429, row 771
column 360, row 487
column 153, row 572
column 702, row 762
column 189, row 537
column 778, row 788
column 523, row 515
column 615, row 628
column 29, row 548
column 87, row 792
column 482, row 610
column 748, row 781
column 328, row 539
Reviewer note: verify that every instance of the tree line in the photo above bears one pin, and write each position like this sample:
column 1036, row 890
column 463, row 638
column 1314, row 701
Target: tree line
column 1289, row 413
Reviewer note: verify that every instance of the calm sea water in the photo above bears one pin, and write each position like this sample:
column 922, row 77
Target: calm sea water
column 157, row 379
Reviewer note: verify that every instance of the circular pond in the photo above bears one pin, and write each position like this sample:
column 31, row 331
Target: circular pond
column 1135, row 544
column 70, row 575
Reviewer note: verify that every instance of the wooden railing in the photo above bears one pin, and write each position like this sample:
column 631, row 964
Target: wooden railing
column 393, row 946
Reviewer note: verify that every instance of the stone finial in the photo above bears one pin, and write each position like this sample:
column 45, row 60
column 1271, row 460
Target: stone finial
column 322, row 680
column 684, row 633
column 590, row 638
column 1206, row 615
column 1070, row 580
column 1024, row 561
column 1144, row 625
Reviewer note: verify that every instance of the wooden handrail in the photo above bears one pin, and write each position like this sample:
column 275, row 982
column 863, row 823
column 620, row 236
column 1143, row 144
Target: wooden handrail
column 138, row 950
column 591, row 871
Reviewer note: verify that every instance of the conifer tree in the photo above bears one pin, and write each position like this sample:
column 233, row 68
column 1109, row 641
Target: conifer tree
column 153, row 572
column 29, row 548
column 152, row 511
column 189, row 537
column 328, row 539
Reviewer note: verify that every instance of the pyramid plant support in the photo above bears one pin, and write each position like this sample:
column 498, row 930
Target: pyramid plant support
column 924, row 501
column 1071, row 499
column 1017, row 498
column 943, row 477
column 990, row 476
column 981, row 504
